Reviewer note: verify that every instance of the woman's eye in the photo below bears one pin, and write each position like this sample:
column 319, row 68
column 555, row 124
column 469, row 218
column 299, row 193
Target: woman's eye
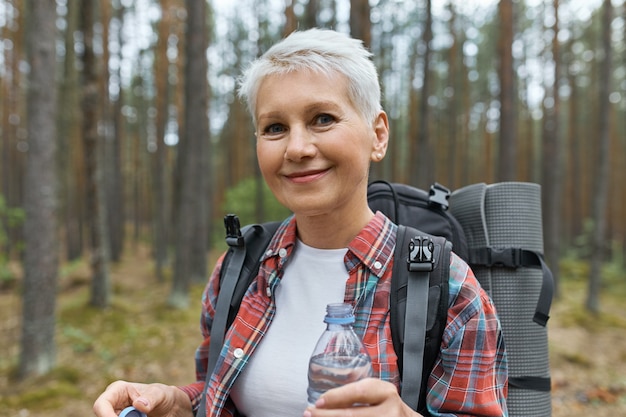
column 274, row 129
column 324, row 119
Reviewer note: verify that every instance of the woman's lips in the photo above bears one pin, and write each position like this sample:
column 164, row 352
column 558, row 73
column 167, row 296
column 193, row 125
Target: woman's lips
column 306, row 176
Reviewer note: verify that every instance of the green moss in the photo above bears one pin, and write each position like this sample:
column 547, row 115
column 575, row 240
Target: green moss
column 578, row 316
column 577, row 359
column 46, row 392
column 49, row 396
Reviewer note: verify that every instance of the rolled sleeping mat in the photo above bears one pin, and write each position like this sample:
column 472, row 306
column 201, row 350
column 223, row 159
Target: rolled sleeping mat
column 503, row 226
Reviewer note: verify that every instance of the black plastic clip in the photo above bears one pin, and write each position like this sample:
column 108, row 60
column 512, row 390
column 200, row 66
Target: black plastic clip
column 421, row 254
column 504, row 257
column 439, row 195
column 233, row 230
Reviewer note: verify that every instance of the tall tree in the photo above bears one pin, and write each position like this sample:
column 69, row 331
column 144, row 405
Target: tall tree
column 95, row 190
column 114, row 178
column 360, row 21
column 454, row 90
column 159, row 171
column 507, row 155
column 69, row 155
column 421, row 162
column 574, row 162
column 291, row 20
column 37, row 353
column 552, row 159
column 310, row 16
column 237, row 135
column 192, row 229
column 601, row 182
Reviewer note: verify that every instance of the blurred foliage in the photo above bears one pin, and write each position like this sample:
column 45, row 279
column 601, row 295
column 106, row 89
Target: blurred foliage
column 574, row 281
column 241, row 200
column 10, row 217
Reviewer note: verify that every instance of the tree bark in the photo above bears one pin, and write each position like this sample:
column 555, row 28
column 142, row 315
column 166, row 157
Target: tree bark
column 455, row 67
column 507, row 155
column 421, row 163
column 601, row 183
column 114, row 178
column 291, row 21
column 69, row 155
column 95, row 191
column 191, row 233
column 310, row 16
column 38, row 350
column 360, row 22
column 159, row 168
column 552, row 164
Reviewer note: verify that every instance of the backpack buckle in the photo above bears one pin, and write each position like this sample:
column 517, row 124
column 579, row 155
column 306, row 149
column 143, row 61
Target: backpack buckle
column 421, row 254
column 439, row 195
column 233, row 230
column 504, row 257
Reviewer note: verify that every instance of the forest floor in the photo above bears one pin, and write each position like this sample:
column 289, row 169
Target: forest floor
column 139, row 338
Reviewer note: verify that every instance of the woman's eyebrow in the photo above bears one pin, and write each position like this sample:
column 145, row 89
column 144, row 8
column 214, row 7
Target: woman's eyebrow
column 323, row 105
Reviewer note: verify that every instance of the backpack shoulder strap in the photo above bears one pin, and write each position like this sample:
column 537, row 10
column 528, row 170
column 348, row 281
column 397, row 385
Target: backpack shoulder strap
column 239, row 268
column 419, row 307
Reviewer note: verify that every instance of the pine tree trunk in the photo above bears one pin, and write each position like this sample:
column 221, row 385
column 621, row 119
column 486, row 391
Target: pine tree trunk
column 38, row 352
column 191, row 232
column 360, row 21
column 422, row 162
column 507, row 155
column 69, row 141
column 96, row 207
column 552, row 183
column 601, row 183
column 159, row 169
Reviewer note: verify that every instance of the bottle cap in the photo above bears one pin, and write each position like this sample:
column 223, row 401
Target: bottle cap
column 131, row 412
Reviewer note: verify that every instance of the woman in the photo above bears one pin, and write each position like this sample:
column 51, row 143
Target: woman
column 315, row 101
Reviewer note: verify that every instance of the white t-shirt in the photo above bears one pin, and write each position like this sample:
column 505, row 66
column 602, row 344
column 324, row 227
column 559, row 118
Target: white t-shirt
column 274, row 383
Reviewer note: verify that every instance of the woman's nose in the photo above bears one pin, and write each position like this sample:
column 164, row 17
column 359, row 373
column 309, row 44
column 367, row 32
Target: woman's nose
column 300, row 144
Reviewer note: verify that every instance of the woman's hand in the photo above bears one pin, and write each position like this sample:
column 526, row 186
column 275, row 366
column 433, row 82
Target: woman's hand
column 381, row 399
column 156, row 400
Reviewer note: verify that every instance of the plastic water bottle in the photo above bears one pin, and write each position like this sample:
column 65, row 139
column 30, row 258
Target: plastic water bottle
column 339, row 356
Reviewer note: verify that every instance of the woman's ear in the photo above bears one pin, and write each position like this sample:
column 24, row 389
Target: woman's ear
column 381, row 137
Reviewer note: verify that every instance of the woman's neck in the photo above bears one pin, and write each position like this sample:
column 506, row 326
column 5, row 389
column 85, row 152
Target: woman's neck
column 332, row 230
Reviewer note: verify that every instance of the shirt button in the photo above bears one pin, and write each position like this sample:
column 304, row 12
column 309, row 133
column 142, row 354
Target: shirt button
column 282, row 252
column 377, row 265
column 269, row 252
column 268, row 291
column 238, row 353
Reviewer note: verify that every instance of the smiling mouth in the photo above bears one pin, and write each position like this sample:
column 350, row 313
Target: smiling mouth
column 304, row 177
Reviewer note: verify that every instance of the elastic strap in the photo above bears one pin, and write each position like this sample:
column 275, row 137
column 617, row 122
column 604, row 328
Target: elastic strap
column 535, row 383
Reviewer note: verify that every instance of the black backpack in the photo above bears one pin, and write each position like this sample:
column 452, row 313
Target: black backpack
column 427, row 233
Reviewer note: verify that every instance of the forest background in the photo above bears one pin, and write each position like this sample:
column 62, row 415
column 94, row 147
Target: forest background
column 122, row 146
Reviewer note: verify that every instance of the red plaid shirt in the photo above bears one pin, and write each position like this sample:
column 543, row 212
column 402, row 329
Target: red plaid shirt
column 468, row 379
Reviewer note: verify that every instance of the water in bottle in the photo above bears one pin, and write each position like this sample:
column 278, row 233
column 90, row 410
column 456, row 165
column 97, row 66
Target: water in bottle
column 339, row 356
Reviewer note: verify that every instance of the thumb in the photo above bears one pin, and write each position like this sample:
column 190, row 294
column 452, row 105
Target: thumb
column 142, row 404
column 138, row 398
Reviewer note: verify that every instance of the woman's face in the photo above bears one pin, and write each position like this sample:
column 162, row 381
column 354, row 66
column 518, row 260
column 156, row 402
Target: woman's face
column 314, row 147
